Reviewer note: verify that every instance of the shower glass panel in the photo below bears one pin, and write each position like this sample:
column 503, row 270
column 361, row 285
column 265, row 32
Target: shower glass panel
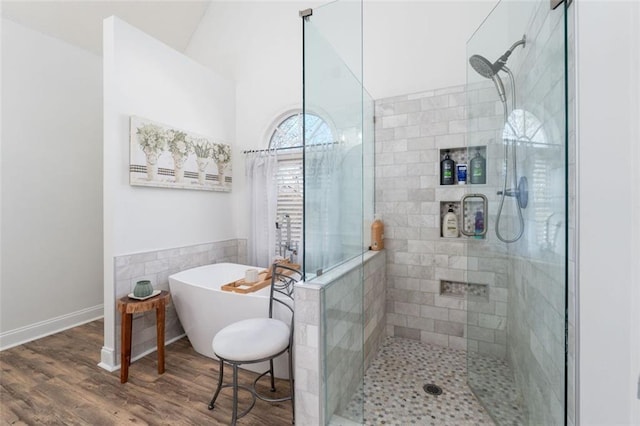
column 516, row 273
column 338, row 198
column 334, row 172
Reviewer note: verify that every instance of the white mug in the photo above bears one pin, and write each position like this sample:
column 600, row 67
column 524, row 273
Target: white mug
column 251, row 275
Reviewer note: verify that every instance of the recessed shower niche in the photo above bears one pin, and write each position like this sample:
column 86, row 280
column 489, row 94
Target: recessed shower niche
column 460, row 289
column 474, row 157
column 471, row 217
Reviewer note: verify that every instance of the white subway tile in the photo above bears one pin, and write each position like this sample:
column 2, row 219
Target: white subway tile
column 434, row 338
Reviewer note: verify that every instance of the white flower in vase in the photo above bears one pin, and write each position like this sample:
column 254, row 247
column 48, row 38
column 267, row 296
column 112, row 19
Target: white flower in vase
column 221, row 155
column 203, row 150
column 152, row 141
column 180, row 147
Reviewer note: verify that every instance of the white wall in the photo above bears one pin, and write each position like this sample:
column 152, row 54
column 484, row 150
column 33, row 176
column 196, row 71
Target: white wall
column 413, row 46
column 608, row 205
column 635, row 224
column 146, row 78
column 259, row 45
column 51, row 185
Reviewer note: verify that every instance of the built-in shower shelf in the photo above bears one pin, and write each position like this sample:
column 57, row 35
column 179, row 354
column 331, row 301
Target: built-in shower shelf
column 461, row 290
column 462, row 155
column 444, row 209
column 470, row 207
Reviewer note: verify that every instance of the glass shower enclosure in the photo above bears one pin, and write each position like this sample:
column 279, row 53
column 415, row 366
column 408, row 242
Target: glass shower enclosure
column 517, row 272
column 514, row 213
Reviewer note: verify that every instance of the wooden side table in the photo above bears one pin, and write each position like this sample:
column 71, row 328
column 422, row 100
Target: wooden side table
column 127, row 308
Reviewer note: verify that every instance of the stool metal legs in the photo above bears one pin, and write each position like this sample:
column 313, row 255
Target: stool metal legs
column 234, row 415
column 293, row 400
column 273, row 383
column 219, row 388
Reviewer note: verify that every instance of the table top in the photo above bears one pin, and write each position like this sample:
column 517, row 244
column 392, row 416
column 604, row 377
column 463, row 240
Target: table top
column 130, row 306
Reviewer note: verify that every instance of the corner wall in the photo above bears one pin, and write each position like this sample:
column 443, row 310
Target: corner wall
column 608, row 233
column 144, row 77
column 51, row 252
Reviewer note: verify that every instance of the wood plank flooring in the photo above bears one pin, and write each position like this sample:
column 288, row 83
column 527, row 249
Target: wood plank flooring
column 56, row 381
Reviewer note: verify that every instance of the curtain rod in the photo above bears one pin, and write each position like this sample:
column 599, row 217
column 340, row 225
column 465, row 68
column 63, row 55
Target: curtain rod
column 250, row 151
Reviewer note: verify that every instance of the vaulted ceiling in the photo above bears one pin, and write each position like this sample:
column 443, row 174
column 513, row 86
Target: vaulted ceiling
column 80, row 22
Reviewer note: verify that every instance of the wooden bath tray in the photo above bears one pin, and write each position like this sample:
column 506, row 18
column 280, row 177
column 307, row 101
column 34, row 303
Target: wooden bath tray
column 264, row 279
column 241, row 286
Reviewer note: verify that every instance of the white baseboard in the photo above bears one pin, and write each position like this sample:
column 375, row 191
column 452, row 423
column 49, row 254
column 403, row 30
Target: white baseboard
column 108, row 359
column 108, row 355
column 45, row 328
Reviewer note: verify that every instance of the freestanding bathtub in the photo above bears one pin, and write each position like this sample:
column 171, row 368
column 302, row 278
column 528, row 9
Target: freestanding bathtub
column 204, row 309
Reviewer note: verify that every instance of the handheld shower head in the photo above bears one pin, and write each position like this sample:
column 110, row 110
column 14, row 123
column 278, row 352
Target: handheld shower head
column 482, row 66
column 490, row 70
column 486, row 69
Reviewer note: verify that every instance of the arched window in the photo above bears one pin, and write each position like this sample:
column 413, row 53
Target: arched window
column 288, row 133
column 528, row 132
column 286, row 136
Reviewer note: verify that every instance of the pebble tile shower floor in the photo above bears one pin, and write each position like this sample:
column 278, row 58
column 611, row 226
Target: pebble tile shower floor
column 394, row 394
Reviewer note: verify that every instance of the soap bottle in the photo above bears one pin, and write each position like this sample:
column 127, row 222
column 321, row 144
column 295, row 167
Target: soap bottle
column 478, row 225
column 478, row 168
column 450, row 224
column 447, row 170
column 377, row 234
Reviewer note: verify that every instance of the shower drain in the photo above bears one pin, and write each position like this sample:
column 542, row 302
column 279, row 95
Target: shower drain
column 432, row 389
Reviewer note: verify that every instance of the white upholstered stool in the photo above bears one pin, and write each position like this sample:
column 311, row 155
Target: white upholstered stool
column 257, row 340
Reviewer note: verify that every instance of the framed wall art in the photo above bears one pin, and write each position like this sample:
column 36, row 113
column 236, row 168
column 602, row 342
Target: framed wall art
column 167, row 157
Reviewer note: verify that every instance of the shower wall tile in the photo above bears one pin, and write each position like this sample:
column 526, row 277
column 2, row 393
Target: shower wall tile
column 309, row 385
column 408, row 196
column 156, row 266
column 331, row 344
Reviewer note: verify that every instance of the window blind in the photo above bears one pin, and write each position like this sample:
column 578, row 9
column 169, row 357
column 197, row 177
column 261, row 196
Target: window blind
column 290, row 189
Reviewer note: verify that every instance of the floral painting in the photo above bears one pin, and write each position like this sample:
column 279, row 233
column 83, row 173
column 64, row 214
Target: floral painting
column 172, row 158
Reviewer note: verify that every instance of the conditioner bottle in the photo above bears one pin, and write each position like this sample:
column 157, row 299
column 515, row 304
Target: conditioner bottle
column 450, row 224
column 478, row 169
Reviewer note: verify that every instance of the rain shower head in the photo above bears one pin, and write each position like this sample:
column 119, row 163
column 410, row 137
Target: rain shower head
column 486, row 69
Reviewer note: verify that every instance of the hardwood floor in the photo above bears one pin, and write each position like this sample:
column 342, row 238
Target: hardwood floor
column 56, row 381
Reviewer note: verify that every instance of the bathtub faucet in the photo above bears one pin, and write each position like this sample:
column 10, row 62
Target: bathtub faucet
column 288, row 249
column 291, row 251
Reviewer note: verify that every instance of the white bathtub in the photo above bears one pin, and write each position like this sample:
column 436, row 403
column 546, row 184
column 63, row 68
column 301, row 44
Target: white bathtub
column 204, row 309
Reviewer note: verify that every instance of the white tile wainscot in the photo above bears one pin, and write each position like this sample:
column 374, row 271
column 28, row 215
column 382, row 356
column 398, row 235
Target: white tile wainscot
column 156, row 266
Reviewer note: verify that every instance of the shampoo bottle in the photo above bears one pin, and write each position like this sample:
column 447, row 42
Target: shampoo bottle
column 447, row 170
column 450, row 224
column 478, row 169
column 377, row 234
